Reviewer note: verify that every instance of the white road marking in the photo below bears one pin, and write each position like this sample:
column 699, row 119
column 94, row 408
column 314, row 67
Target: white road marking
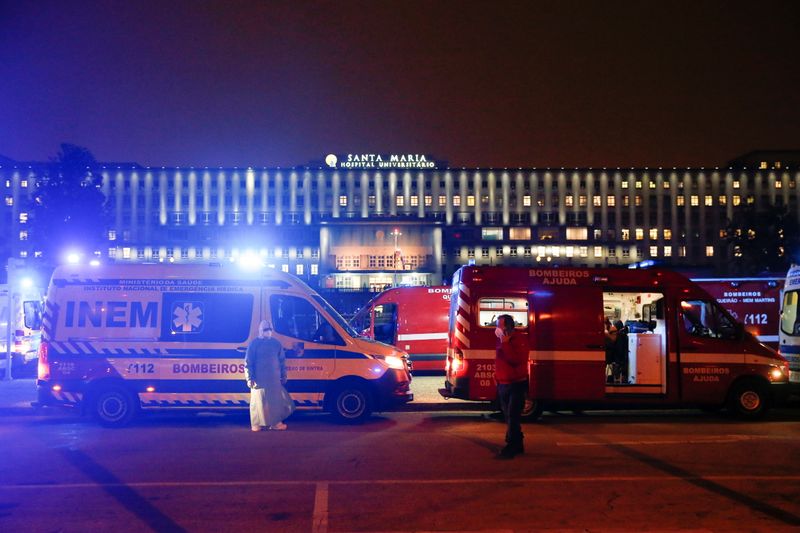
column 319, row 521
column 491, row 480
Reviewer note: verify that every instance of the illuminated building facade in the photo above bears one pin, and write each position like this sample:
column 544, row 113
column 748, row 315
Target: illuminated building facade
column 367, row 225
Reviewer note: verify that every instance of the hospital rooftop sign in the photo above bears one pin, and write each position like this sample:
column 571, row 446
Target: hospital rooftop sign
column 379, row 161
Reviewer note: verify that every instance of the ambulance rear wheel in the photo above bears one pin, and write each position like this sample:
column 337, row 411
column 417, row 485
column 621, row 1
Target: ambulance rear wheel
column 351, row 403
column 748, row 399
column 532, row 410
column 113, row 406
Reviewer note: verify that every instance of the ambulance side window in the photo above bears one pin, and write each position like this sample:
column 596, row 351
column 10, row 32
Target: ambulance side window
column 297, row 318
column 490, row 308
column 385, row 323
column 790, row 319
column 360, row 322
column 704, row 318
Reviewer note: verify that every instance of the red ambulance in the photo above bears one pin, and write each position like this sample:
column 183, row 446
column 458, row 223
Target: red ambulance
column 414, row 319
column 683, row 348
column 755, row 302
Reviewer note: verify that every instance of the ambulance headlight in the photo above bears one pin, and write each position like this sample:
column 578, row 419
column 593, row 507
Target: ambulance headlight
column 778, row 373
column 392, row 361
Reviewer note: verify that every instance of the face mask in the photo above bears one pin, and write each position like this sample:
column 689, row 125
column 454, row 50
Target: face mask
column 498, row 331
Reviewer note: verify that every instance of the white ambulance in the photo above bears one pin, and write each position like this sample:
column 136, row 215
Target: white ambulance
column 120, row 338
column 790, row 325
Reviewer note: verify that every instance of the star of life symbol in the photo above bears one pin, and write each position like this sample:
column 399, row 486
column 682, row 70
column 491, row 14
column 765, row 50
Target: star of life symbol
column 188, row 317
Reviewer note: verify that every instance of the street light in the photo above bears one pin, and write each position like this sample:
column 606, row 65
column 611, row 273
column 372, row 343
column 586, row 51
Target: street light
column 396, row 233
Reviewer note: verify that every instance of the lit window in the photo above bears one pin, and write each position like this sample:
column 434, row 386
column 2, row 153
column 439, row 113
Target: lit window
column 343, row 200
column 611, row 200
column 285, row 268
column 709, row 200
column 299, row 269
column 626, row 234
column 582, row 200
column 637, row 200
column 778, row 184
column 568, row 200
column 709, row 251
column 654, row 251
column 597, row 200
column 762, row 165
column 23, row 183
column 624, row 184
column 23, row 235
column 471, row 201
column 414, row 200
column 750, row 200
column 723, row 200
column 737, row 200
column 668, row 251
column 577, row 234
column 126, row 253
column 23, row 218
column 682, row 251
column 526, row 200
column 598, row 251
column 492, row 234
column 653, row 233
column 9, row 201
column 23, row 254
column 667, row 234
column 652, row 184
column 519, row 234
column 400, row 201
column 442, row 201
column 570, row 251
column 638, row 184
column 428, row 200
column 723, row 234
column 456, row 201
column 680, row 200
column 694, row 200
column 583, row 251
column 314, row 269
column 371, row 200
column 626, row 200
column 639, row 234
column 666, row 185
column 736, row 184
column 112, row 235
column 8, row 184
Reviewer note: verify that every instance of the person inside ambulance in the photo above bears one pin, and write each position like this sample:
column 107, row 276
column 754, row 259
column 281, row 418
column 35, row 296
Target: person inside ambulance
column 511, row 374
column 325, row 334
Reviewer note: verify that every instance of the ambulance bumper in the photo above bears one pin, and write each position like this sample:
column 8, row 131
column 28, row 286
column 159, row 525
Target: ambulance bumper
column 458, row 389
column 46, row 396
column 394, row 389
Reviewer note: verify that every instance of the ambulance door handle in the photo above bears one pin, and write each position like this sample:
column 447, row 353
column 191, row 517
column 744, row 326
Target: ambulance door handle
column 241, row 349
column 595, row 346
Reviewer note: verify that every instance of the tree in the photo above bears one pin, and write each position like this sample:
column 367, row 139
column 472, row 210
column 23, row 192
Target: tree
column 69, row 211
column 763, row 241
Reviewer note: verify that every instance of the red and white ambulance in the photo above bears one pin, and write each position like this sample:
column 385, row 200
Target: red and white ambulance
column 684, row 349
column 755, row 302
column 414, row 319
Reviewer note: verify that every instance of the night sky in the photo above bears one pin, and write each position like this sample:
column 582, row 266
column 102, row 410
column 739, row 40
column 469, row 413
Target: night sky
column 528, row 84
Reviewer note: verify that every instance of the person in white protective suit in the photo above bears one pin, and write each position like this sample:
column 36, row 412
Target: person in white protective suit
column 265, row 371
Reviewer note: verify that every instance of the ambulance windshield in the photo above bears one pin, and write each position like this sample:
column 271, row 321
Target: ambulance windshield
column 335, row 316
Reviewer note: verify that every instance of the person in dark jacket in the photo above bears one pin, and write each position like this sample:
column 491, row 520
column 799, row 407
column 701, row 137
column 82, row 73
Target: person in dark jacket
column 511, row 374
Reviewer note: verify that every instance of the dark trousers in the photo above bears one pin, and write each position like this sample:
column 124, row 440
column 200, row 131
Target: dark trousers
column 512, row 400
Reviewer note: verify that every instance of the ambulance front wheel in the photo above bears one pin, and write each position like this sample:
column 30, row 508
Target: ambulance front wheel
column 351, row 402
column 748, row 399
column 113, row 406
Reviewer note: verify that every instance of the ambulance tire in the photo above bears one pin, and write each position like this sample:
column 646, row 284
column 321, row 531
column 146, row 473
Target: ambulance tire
column 532, row 410
column 351, row 402
column 113, row 405
column 748, row 399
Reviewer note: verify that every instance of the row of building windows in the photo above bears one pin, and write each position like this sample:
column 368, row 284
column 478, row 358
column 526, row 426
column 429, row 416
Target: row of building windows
column 547, row 252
